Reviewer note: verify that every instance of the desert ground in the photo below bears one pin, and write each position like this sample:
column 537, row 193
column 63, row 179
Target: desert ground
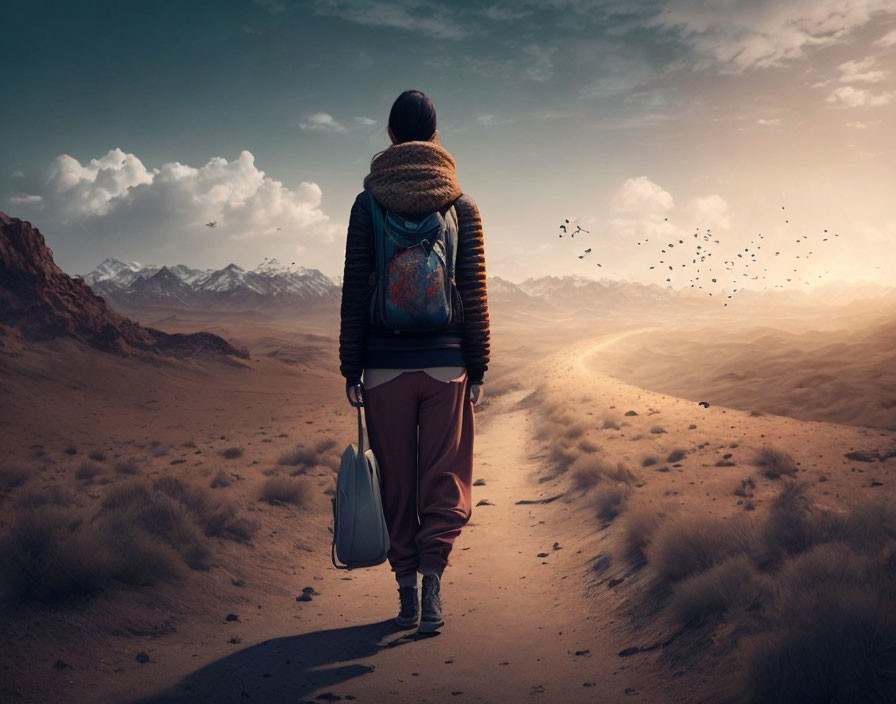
column 627, row 543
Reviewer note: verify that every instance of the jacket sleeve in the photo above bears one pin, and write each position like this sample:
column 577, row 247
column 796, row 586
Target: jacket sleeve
column 358, row 262
column 470, row 278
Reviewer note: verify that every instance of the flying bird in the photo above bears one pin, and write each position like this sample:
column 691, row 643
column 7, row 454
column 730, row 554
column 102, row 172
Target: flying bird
column 213, row 223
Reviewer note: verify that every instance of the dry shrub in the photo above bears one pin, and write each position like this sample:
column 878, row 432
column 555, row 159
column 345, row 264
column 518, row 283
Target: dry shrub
column 774, row 462
column 792, row 524
column 217, row 516
column 587, row 471
column 13, row 476
column 639, row 524
column 649, row 461
column 586, row 445
column 47, row 495
column 129, row 466
column 677, row 455
column 88, row 470
column 560, row 458
column 546, row 430
column 657, row 429
column 832, row 634
column 232, row 453
column 621, row 474
column 732, row 585
column 575, row 430
column 282, row 489
column 610, row 424
column 608, row 500
column 221, row 479
column 299, row 455
column 97, row 456
column 325, row 445
column 49, row 555
column 869, row 526
column 689, row 543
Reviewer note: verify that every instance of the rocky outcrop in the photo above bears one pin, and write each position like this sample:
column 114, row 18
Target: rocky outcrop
column 43, row 302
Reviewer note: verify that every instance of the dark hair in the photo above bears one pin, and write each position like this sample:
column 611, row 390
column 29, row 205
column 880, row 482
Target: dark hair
column 413, row 117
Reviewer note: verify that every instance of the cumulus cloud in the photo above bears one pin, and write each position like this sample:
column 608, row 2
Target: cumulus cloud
column 321, row 122
column 642, row 195
column 850, row 97
column 116, row 201
column 864, row 71
column 711, row 211
column 737, row 35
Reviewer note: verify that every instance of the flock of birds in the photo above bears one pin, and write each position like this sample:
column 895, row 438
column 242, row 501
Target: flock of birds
column 704, row 272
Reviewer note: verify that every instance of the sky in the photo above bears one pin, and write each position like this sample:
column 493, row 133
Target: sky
column 127, row 126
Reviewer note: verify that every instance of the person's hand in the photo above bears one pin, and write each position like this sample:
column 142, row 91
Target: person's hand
column 475, row 390
column 355, row 394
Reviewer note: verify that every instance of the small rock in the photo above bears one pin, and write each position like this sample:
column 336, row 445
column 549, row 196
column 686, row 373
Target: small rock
column 142, row 657
column 556, row 546
column 583, row 652
column 328, row 697
column 303, row 597
column 238, row 582
column 692, row 426
column 479, row 482
column 235, row 640
column 60, row 664
column 874, row 482
column 589, row 684
column 631, row 413
column 485, row 502
column 614, row 581
column 542, row 554
column 232, row 617
column 311, row 591
column 629, row 651
column 631, row 690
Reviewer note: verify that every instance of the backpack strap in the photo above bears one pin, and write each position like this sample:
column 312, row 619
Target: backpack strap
column 379, row 225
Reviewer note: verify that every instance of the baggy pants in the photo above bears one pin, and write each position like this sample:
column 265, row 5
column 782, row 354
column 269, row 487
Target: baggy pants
column 421, row 431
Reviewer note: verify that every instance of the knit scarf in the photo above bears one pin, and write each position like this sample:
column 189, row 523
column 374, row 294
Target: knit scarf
column 413, row 177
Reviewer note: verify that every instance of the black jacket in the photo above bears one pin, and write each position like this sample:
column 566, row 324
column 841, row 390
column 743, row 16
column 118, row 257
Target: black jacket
column 363, row 346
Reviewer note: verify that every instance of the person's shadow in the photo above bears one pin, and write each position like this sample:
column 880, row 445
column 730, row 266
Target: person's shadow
column 285, row 669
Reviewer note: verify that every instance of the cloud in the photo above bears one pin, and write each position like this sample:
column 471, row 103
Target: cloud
column 737, row 35
column 421, row 16
column 859, row 125
column 542, row 67
column 889, row 39
column 321, row 122
column 116, row 200
column 365, row 121
column 710, row 211
column 769, row 122
column 641, row 195
column 863, row 71
column 850, row 97
column 493, row 120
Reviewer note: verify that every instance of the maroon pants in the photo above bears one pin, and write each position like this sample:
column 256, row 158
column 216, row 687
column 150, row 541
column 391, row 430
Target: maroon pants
column 430, row 474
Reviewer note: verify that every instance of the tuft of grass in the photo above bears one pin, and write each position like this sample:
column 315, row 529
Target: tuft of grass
column 221, row 479
column 13, row 476
column 97, row 456
column 88, row 470
column 231, row 453
column 282, row 489
column 676, row 455
column 608, row 500
column 649, row 461
column 560, row 458
column 657, row 429
column 732, row 585
column 691, row 543
column 586, row 445
column 610, row 424
column 128, row 466
column 773, row 462
column 299, row 455
column 47, row 495
column 639, row 524
column 575, row 430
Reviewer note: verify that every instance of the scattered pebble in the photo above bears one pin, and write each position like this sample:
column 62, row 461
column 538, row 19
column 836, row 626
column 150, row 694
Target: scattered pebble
column 232, row 617
column 142, row 657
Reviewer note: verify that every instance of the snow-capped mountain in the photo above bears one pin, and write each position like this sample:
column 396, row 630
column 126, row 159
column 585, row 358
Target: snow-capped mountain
column 132, row 283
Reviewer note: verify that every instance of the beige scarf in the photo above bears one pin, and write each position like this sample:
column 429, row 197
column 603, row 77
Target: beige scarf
column 413, row 177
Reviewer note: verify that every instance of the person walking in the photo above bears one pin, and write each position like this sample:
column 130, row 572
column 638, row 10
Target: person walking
column 418, row 388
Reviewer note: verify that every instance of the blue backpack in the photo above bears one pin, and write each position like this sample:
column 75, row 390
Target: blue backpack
column 413, row 286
